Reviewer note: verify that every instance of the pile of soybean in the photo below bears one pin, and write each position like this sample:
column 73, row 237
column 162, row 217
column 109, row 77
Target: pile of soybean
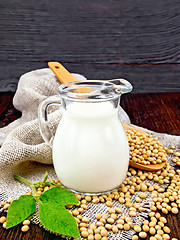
column 144, row 149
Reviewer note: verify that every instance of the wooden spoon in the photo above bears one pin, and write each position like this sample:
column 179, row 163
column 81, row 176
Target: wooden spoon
column 151, row 167
column 65, row 76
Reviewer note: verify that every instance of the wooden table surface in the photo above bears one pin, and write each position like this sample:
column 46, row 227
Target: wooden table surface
column 156, row 111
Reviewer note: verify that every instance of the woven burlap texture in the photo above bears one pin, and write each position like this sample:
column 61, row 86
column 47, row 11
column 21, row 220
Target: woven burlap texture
column 23, row 150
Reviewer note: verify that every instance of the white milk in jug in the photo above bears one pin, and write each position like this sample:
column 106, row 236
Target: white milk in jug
column 90, row 148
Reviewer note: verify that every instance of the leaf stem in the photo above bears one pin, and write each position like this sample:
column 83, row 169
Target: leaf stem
column 23, row 180
column 45, row 177
column 26, row 182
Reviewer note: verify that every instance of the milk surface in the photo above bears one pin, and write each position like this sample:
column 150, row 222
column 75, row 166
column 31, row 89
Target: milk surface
column 90, row 149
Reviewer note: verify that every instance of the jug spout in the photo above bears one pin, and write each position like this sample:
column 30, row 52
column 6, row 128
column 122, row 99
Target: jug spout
column 121, row 85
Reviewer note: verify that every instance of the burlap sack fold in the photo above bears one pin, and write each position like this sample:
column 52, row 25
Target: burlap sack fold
column 23, row 150
column 33, row 87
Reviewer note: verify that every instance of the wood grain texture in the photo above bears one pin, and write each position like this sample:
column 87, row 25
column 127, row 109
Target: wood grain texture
column 7, row 112
column 144, row 78
column 101, row 39
column 156, row 111
column 109, row 31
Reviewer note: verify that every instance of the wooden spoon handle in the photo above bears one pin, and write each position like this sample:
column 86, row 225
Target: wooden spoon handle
column 65, row 76
column 61, row 73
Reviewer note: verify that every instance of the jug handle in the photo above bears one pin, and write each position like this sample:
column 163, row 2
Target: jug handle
column 43, row 118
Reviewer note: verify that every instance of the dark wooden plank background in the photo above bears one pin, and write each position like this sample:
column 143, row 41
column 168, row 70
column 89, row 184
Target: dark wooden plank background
column 138, row 40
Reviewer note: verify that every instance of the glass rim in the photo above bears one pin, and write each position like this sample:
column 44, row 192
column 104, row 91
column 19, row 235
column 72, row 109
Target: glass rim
column 89, row 91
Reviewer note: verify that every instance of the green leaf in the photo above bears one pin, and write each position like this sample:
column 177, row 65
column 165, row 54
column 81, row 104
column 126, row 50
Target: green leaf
column 58, row 195
column 20, row 209
column 58, row 219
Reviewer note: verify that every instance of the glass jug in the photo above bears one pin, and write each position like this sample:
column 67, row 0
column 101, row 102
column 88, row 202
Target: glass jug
column 90, row 148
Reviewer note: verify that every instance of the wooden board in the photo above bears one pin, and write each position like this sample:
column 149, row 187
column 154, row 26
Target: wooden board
column 144, row 78
column 100, row 39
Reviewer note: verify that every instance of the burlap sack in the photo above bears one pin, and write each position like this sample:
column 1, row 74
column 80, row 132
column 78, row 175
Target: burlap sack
column 24, row 152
